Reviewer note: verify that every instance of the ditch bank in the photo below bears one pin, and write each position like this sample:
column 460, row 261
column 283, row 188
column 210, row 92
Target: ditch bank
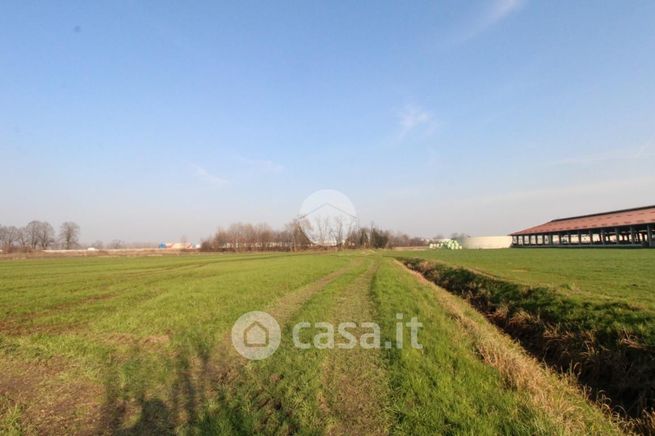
column 607, row 346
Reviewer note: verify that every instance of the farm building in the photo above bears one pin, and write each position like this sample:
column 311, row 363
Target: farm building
column 620, row 228
column 486, row 242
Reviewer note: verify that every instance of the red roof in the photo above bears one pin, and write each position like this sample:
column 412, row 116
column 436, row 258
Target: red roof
column 617, row 218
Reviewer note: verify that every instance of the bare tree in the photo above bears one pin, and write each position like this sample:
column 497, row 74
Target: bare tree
column 263, row 236
column 12, row 236
column 117, row 244
column 339, row 230
column 46, row 235
column 39, row 234
column 69, row 234
column 22, row 240
column 342, row 230
column 32, row 230
column 221, row 240
column 8, row 237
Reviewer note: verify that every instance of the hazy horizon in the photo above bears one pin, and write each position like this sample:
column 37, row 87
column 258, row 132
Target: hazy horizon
column 156, row 120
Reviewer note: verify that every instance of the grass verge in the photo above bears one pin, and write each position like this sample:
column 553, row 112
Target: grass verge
column 606, row 345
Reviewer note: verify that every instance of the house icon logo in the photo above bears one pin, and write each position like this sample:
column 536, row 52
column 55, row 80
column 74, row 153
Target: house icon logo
column 327, row 217
column 256, row 335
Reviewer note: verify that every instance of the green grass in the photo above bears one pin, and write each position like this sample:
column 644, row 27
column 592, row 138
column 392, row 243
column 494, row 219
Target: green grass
column 591, row 310
column 136, row 344
column 609, row 292
column 599, row 275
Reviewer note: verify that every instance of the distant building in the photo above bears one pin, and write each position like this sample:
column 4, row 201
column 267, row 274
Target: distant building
column 486, row 242
column 176, row 245
column 621, row 228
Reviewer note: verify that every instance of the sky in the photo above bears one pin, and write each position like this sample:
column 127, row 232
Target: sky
column 153, row 120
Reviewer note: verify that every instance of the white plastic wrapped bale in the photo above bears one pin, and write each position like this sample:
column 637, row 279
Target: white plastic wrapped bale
column 451, row 245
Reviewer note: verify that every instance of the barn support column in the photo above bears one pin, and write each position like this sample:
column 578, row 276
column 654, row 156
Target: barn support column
column 602, row 236
column 650, row 236
column 618, row 237
column 633, row 237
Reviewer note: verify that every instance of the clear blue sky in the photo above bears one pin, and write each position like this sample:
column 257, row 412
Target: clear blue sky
column 148, row 120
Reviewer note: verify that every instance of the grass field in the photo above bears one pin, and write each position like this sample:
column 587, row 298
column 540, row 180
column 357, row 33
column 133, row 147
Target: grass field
column 592, row 310
column 599, row 275
column 129, row 345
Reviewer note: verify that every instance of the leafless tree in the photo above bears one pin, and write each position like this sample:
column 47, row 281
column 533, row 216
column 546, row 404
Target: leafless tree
column 32, row 231
column 8, row 237
column 264, row 236
column 322, row 225
column 39, row 234
column 338, row 229
column 116, row 244
column 13, row 236
column 46, row 235
column 236, row 236
column 69, row 234
column 23, row 241
column 244, row 236
column 221, row 240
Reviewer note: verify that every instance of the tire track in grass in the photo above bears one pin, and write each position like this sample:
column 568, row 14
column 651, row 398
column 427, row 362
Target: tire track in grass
column 354, row 381
column 214, row 378
column 282, row 310
column 284, row 394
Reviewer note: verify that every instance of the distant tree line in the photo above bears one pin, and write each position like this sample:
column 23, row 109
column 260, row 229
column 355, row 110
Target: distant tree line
column 261, row 237
column 39, row 235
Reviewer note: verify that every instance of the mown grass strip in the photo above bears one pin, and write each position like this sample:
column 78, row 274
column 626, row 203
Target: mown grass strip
column 446, row 387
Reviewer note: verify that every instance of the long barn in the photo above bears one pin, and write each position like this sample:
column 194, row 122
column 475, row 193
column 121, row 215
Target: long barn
column 620, row 228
